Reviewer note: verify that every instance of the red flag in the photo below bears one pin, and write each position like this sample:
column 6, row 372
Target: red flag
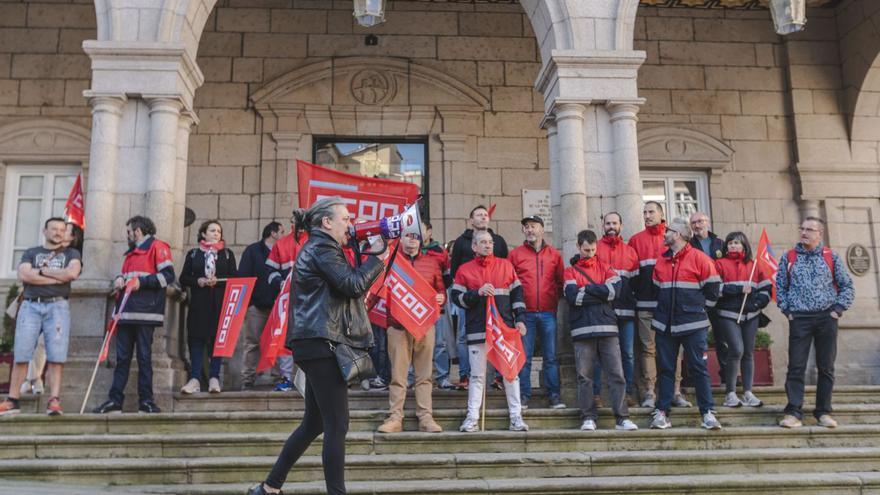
column 504, row 347
column 411, row 300
column 75, row 207
column 114, row 320
column 272, row 340
column 491, row 210
column 235, row 303
column 766, row 260
column 367, row 198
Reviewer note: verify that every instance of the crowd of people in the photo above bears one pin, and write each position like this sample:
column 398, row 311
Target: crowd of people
column 634, row 310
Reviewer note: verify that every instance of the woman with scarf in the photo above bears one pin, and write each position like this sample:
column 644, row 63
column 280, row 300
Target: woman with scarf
column 204, row 272
column 737, row 324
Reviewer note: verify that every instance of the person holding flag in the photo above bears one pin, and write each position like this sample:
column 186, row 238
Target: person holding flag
column 483, row 278
column 591, row 287
column 745, row 291
column 148, row 269
column 205, row 270
column 405, row 349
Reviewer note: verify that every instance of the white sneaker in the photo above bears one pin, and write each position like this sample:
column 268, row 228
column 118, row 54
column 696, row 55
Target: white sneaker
column 517, row 424
column 469, row 425
column 365, row 384
column 626, row 425
column 650, row 401
column 680, row 401
column 37, row 386
column 749, row 400
column 214, row 386
column 660, row 422
column 192, row 386
column 25, row 387
column 588, row 425
column 731, row 400
column 710, row 422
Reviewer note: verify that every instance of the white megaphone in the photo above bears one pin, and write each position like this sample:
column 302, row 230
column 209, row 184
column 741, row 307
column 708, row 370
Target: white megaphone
column 403, row 224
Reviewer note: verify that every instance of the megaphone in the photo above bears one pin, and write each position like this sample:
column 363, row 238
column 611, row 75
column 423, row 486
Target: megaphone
column 403, row 224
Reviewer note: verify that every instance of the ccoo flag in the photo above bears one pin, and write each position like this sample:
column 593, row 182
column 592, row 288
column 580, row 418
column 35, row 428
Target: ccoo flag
column 275, row 331
column 75, row 207
column 766, row 260
column 235, row 304
column 504, row 347
column 411, row 300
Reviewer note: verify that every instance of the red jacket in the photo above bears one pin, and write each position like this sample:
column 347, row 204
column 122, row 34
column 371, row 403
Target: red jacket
column 508, row 294
column 540, row 273
column 282, row 256
column 734, row 276
column 426, row 266
column 623, row 259
column 648, row 245
column 151, row 263
column 687, row 284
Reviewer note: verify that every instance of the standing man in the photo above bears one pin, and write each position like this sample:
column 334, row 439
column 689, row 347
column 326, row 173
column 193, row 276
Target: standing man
column 405, row 351
column 623, row 259
column 147, row 262
column 687, row 282
column 649, row 246
column 253, row 264
column 538, row 266
column 45, row 272
column 463, row 252
column 483, row 277
column 443, row 334
column 813, row 290
column 706, row 241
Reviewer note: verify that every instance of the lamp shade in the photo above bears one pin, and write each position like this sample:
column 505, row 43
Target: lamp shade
column 369, row 13
column 789, row 16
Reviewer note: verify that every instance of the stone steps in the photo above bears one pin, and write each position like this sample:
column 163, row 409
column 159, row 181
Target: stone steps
column 434, row 466
column 369, row 420
column 365, row 443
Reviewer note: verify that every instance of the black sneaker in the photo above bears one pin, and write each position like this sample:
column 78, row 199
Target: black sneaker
column 111, row 406
column 498, row 383
column 148, row 407
column 259, row 490
column 524, row 404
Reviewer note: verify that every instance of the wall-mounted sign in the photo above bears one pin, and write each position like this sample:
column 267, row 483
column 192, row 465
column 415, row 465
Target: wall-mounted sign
column 537, row 202
column 858, row 259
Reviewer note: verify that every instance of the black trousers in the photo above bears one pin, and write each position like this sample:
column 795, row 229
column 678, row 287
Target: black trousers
column 803, row 331
column 326, row 412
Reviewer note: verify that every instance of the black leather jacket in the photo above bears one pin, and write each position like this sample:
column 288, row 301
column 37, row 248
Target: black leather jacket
column 327, row 294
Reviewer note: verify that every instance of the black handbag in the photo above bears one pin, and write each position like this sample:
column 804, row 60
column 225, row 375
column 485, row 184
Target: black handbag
column 355, row 364
column 763, row 320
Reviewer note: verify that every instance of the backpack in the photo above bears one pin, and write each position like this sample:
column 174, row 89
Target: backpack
column 791, row 256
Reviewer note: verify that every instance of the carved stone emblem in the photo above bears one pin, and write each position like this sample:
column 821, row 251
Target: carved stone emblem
column 371, row 87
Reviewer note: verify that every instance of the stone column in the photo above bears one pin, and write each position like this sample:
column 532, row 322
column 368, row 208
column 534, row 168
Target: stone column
column 553, row 152
column 162, row 164
column 626, row 165
column 101, row 187
column 178, row 239
column 571, row 176
column 810, row 208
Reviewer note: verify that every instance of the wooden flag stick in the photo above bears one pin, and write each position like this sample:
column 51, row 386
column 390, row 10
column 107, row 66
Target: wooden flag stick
column 746, row 296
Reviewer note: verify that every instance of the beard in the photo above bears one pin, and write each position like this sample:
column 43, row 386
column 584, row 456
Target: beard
column 612, row 232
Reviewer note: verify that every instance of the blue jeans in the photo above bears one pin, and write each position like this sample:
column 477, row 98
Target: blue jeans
column 52, row 319
column 127, row 337
column 464, row 365
column 543, row 324
column 379, row 353
column 694, row 346
column 197, row 350
column 626, row 331
column 441, row 356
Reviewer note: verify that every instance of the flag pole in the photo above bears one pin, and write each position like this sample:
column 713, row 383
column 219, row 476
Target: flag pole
column 485, row 393
column 746, row 296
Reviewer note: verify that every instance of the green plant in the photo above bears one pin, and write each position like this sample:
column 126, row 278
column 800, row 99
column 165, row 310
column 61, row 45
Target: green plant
column 763, row 340
column 8, row 337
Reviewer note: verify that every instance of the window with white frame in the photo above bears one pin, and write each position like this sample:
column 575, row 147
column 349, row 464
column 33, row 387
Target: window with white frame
column 33, row 193
column 680, row 193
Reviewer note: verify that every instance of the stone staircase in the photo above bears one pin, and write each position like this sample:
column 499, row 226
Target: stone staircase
column 199, row 450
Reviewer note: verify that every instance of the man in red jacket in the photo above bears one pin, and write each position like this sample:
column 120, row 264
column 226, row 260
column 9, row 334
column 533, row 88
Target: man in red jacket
column 404, row 350
column 539, row 268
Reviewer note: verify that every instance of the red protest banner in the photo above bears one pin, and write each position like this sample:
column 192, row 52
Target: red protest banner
column 766, row 260
column 411, row 300
column 367, row 198
column 114, row 320
column 235, row 303
column 75, row 207
column 504, row 347
column 272, row 340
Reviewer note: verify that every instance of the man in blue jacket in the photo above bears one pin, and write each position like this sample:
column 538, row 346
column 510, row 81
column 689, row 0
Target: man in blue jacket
column 813, row 290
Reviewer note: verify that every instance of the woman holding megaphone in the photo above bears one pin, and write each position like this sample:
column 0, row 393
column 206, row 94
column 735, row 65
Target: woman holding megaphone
column 328, row 330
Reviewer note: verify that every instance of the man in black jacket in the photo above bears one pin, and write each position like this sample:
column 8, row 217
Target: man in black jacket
column 253, row 264
column 706, row 241
column 326, row 310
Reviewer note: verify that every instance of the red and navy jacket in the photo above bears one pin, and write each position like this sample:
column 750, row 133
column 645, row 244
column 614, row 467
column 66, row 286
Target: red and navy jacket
column 649, row 247
column 686, row 284
column 442, row 257
column 426, row 266
column 508, row 294
column 590, row 314
column 282, row 257
column 540, row 273
column 151, row 263
column 734, row 276
column 624, row 260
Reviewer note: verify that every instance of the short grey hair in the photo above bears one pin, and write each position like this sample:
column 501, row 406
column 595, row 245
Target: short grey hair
column 681, row 225
column 478, row 233
column 321, row 209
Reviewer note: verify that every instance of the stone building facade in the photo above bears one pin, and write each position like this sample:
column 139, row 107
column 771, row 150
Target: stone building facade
column 207, row 104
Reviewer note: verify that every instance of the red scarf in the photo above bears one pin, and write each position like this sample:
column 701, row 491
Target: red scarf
column 735, row 256
column 211, row 246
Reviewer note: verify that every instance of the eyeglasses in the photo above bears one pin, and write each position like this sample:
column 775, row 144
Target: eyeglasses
column 807, row 229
